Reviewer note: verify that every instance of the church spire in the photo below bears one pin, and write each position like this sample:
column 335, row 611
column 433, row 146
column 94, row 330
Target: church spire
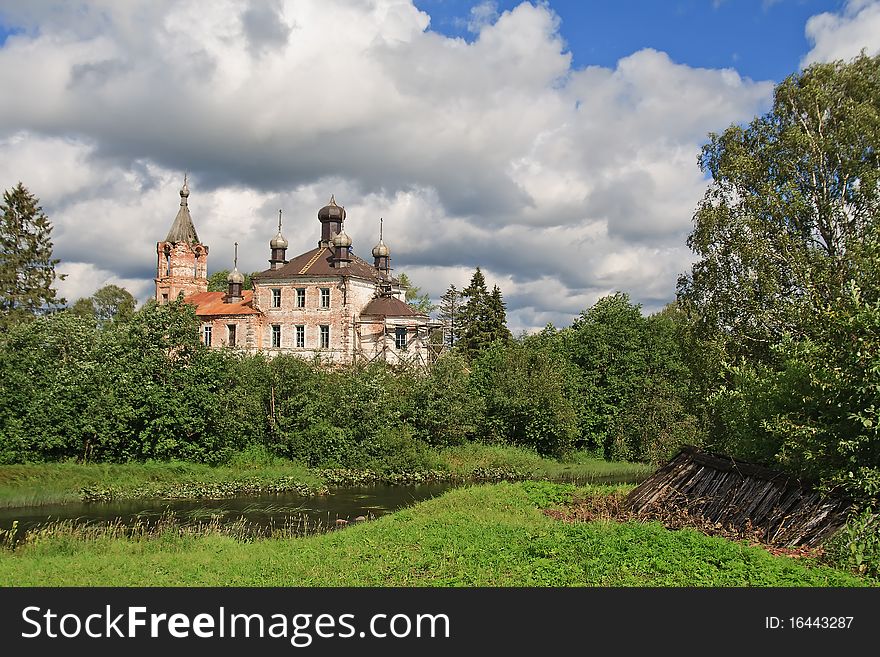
column 183, row 230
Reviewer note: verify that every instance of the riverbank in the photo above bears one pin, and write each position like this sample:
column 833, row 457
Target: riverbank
column 489, row 535
column 251, row 474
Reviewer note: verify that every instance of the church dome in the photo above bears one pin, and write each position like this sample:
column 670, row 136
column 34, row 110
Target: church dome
column 235, row 276
column 331, row 211
column 381, row 250
column 342, row 240
column 278, row 242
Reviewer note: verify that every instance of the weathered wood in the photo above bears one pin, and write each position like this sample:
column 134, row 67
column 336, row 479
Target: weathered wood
column 739, row 494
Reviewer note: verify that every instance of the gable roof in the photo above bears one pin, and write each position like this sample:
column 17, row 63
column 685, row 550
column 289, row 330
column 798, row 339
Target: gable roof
column 213, row 304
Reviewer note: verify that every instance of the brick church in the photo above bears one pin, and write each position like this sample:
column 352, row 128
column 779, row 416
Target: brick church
column 326, row 303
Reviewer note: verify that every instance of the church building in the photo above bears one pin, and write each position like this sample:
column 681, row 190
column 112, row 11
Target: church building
column 326, row 304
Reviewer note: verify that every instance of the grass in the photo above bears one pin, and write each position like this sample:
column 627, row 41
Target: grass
column 255, row 471
column 489, row 535
column 50, row 483
column 580, row 467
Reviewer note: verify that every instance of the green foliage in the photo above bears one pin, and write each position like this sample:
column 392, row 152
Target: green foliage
column 109, row 303
column 527, row 394
column 793, row 195
column 857, row 546
column 545, row 494
column 27, row 268
column 451, row 315
column 445, row 409
column 420, row 302
column 816, row 412
column 483, row 318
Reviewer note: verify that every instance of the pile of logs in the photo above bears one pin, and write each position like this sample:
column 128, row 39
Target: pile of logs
column 742, row 495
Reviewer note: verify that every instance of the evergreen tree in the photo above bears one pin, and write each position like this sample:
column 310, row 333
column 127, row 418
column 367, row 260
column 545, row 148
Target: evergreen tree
column 27, row 269
column 450, row 314
column 483, row 316
column 498, row 315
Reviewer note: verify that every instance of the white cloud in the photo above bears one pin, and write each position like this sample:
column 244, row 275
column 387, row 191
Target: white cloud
column 563, row 184
column 843, row 35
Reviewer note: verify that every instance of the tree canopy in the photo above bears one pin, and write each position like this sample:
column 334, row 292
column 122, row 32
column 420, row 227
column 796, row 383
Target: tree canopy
column 109, row 303
column 790, row 214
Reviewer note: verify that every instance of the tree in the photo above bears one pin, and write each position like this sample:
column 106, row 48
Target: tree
column 217, row 281
column 779, row 231
column 483, row 316
column 528, row 397
column 108, row 304
column 498, row 314
column 27, row 269
column 450, row 314
column 420, row 302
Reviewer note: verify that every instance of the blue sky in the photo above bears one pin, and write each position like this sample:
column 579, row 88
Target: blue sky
column 553, row 145
column 762, row 39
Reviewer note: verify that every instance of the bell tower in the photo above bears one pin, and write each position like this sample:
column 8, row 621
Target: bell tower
column 182, row 261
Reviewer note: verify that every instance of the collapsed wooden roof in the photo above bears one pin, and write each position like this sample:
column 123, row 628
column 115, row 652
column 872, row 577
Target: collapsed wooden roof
column 736, row 493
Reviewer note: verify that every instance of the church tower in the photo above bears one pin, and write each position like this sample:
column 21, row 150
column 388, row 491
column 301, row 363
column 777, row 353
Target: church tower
column 182, row 262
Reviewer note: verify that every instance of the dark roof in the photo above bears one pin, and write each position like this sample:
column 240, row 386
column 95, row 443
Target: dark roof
column 183, row 230
column 317, row 262
column 212, row 304
column 390, row 307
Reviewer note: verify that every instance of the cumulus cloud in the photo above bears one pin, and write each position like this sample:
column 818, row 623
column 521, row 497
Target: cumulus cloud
column 563, row 184
column 843, row 36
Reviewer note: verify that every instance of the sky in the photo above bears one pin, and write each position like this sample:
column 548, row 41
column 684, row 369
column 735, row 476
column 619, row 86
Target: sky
column 552, row 144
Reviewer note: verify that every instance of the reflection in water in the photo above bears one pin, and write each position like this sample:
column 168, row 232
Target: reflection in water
column 266, row 512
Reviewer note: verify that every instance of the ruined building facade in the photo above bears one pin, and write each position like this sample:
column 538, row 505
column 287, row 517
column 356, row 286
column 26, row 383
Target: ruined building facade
column 326, row 304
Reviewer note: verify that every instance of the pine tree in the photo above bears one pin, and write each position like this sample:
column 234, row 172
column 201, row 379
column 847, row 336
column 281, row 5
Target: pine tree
column 475, row 330
column 498, row 315
column 27, row 269
column 450, row 314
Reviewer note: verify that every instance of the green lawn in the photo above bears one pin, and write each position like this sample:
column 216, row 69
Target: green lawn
column 489, row 535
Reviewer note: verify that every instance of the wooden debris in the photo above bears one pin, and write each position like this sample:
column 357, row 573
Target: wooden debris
column 741, row 496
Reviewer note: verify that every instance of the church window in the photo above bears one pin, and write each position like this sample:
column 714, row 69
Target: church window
column 325, row 337
column 300, row 336
column 325, row 297
column 231, row 329
column 276, row 335
column 276, row 297
column 400, row 337
column 206, row 333
column 300, row 297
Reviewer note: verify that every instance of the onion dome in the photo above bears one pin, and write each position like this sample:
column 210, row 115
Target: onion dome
column 331, row 211
column 278, row 242
column 342, row 240
column 381, row 250
column 184, row 191
column 235, row 276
